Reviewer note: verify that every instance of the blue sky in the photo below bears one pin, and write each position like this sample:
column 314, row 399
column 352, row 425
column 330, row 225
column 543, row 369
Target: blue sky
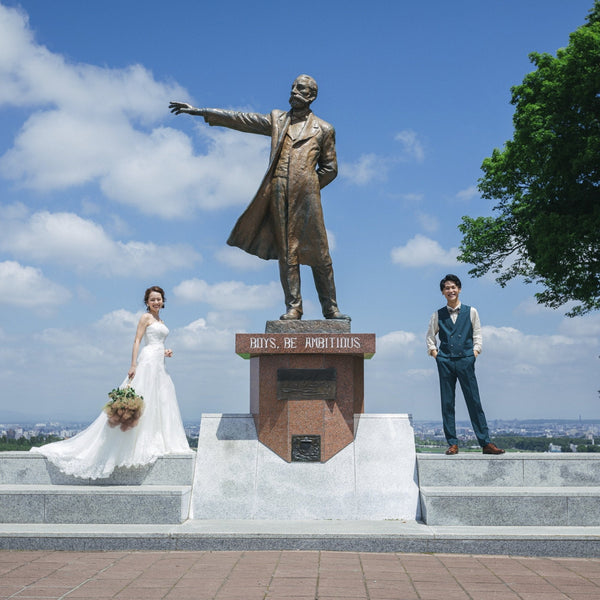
column 103, row 192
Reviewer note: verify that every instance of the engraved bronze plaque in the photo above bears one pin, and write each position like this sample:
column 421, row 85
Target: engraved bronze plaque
column 306, row 448
column 306, row 384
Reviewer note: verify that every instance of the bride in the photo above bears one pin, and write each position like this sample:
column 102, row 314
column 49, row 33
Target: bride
column 96, row 451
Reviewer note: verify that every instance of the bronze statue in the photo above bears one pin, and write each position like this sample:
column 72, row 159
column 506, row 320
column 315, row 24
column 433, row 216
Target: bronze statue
column 284, row 221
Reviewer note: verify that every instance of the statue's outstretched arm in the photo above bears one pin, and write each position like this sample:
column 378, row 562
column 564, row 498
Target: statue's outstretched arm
column 241, row 121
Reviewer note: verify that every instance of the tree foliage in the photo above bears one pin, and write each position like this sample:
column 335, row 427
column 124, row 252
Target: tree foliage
column 546, row 180
column 9, row 444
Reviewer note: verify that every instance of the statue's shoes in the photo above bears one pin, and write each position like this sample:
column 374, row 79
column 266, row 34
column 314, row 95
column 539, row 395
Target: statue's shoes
column 291, row 315
column 336, row 314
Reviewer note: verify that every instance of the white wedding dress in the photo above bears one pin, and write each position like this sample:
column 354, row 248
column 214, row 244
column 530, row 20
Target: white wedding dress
column 96, row 451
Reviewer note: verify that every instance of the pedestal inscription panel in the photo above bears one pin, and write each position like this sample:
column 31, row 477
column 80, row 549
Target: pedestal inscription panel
column 306, row 384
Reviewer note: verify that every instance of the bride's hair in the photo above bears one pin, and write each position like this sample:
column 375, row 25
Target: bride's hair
column 154, row 288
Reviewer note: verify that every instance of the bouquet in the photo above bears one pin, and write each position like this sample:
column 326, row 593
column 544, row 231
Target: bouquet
column 124, row 408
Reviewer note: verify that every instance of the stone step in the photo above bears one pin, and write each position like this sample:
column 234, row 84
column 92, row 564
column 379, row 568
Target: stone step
column 510, row 506
column 148, row 504
column 26, row 468
column 324, row 535
column 529, row 469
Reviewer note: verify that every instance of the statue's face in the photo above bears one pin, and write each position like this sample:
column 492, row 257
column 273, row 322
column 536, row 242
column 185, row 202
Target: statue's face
column 303, row 93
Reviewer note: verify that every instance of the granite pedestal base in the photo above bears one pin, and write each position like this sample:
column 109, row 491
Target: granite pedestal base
column 306, row 385
column 239, row 478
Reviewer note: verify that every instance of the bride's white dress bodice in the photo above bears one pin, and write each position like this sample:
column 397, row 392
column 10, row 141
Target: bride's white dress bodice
column 156, row 334
column 95, row 452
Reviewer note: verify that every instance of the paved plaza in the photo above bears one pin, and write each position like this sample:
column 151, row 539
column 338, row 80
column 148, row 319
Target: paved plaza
column 294, row 575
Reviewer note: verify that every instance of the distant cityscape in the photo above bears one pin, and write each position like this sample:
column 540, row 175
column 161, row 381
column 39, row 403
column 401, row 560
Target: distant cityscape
column 15, row 431
column 588, row 429
column 426, row 432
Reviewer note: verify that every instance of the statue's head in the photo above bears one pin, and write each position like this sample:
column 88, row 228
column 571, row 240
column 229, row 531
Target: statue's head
column 304, row 91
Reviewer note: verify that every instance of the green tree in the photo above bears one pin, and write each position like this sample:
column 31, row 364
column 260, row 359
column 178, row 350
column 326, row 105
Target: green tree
column 546, row 180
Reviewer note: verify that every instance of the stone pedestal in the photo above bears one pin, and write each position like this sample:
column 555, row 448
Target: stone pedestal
column 306, row 385
column 239, row 478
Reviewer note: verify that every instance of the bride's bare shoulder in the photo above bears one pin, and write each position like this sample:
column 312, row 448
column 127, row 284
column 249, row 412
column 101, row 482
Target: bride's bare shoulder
column 145, row 320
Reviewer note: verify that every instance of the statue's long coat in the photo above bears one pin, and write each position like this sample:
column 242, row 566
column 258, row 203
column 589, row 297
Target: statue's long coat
column 275, row 225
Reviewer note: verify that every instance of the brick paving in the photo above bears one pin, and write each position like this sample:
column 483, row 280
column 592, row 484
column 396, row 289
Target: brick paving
column 288, row 575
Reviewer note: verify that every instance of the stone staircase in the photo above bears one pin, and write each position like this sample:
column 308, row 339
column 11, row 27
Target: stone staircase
column 472, row 504
column 510, row 490
column 32, row 490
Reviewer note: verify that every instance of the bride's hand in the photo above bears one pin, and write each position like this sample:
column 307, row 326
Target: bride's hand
column 131, row 373
column 168, row 353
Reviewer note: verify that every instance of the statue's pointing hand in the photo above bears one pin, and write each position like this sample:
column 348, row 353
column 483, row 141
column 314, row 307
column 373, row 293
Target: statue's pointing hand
column 184, row 107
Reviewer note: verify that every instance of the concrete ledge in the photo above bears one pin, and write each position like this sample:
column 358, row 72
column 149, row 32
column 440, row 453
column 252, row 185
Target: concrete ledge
column 237, row 477
column 512, row 469
column 103, row 504
column 363, row 536
column 528, row 506
column 27, row 468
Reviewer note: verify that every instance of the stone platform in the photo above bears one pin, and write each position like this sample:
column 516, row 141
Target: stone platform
column 466, row 479
column 32, row 490
column 237, row 477
column 510, row 490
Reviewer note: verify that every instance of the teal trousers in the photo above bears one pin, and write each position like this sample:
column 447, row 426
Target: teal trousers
column 463, row 369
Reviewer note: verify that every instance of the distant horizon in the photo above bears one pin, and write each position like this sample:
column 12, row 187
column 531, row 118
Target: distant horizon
column 5, row 422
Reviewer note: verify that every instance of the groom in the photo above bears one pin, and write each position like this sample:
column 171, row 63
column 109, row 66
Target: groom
column 459, row 330
column 284, row 221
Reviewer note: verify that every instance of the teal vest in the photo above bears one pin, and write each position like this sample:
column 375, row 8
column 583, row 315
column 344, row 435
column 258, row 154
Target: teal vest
column 456, row 339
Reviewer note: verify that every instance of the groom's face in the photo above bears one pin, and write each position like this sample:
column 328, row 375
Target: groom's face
column 451, row 292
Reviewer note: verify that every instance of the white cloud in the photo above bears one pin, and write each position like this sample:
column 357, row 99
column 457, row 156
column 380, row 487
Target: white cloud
column 586, row 327
column 396, row 343
column 419, row 374
column 373, row 167
column 511, row 345
column 201, row 336
column 227, row 320
column 412, row 199
column 84, row 246
column 421, row 251
column 27, row 287
column 133, row 160
column 229, row 295
column 412, row 146
column 119, row 321
column 72, row 348
column 531, row 307
column 429, row 223
column 331, row 241
column 238, row 259
column 468, row 194
column 162, row 176
column 368, row 168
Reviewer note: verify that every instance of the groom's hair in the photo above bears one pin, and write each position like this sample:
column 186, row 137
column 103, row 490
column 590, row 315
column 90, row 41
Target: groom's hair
column 449, row 277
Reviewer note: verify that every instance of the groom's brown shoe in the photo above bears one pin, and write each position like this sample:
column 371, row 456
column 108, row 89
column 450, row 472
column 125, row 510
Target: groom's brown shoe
column 452, row 450
column 492, row 449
